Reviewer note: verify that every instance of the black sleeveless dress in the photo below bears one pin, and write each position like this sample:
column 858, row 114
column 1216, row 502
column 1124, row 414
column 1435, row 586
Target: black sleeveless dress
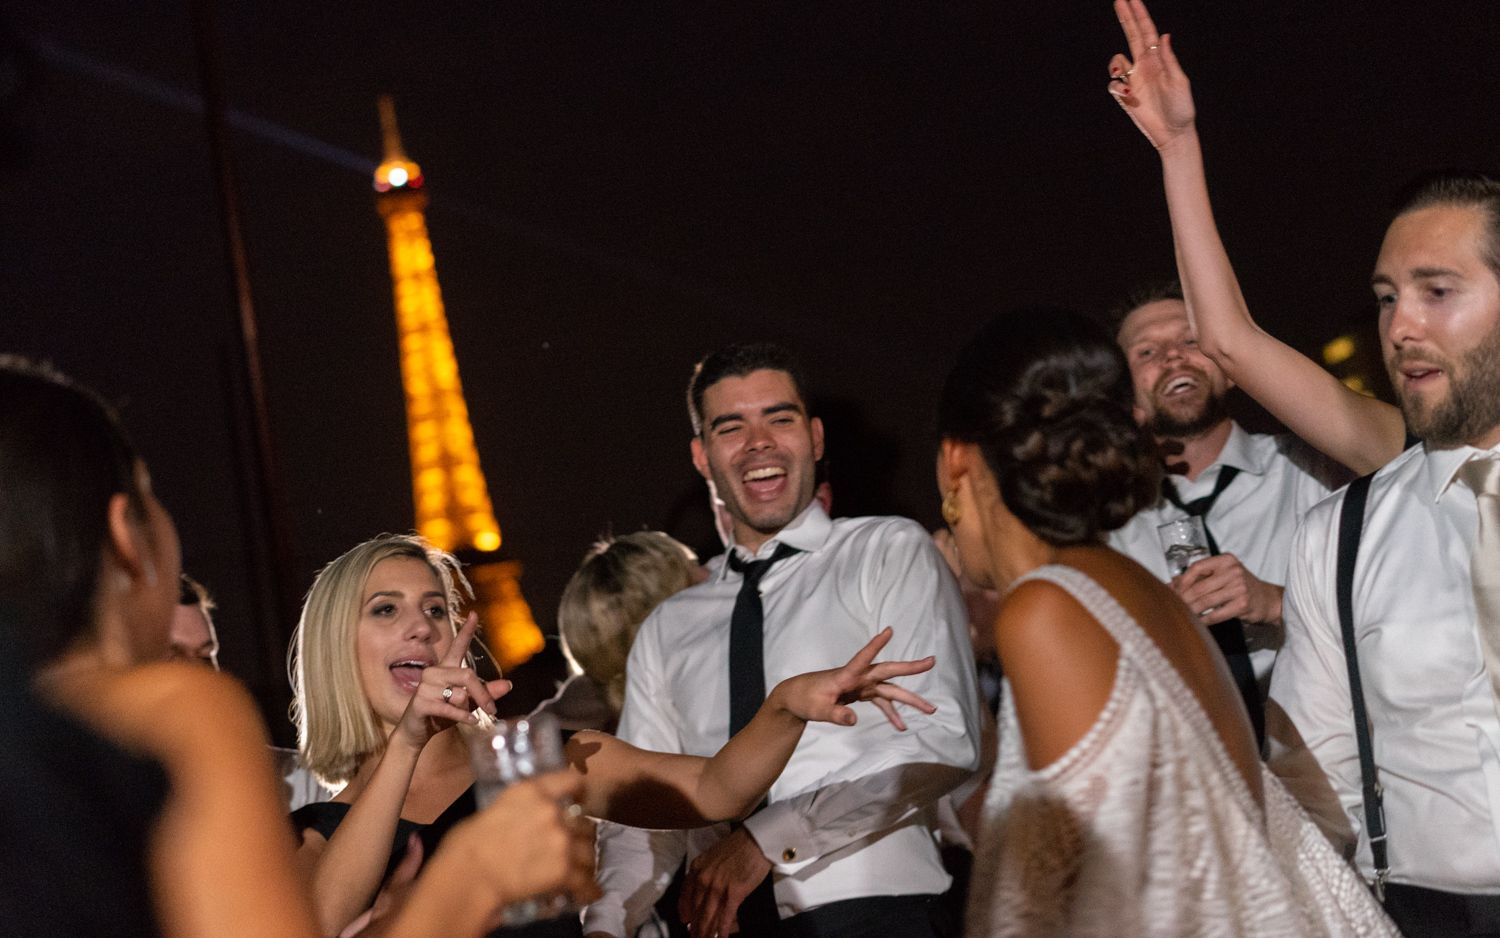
column 325, row 817
column 77, row 813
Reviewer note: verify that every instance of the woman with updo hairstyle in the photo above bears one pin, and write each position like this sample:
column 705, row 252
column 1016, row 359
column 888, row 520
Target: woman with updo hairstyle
column 1129, row 798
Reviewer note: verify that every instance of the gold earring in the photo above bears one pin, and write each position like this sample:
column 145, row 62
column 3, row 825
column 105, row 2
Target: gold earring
column 951, row 513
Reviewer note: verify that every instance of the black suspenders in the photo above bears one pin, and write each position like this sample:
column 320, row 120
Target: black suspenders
column 1351, row 525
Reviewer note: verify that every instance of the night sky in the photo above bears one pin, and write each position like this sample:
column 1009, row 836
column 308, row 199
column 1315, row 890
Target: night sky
column 620, row 188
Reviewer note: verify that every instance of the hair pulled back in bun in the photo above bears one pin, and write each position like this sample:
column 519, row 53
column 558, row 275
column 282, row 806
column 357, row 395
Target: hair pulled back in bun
column 1044, row 394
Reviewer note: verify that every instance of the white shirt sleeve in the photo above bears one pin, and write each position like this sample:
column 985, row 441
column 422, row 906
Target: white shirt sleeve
column 1310, row 723
column 907, row 586
column 636, row 866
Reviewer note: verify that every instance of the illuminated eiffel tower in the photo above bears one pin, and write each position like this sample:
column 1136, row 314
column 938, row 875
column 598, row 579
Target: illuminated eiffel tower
column 452, row 504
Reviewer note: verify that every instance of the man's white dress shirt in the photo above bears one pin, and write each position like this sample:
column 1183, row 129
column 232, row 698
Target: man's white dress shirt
column 1431, row 707
column 850, row 816
column 1254, row 518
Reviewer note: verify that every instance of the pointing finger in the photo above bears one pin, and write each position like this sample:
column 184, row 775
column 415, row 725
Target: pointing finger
column 886, row 670
column 1145, row 25
column 460, row 645
column 1126, row 15
column 865, row 655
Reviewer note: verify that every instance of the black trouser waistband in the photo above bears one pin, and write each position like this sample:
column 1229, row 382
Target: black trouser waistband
column 870, row 915
column 1421, row 912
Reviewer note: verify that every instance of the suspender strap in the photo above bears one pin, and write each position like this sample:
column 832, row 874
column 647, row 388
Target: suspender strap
column 1351, row 525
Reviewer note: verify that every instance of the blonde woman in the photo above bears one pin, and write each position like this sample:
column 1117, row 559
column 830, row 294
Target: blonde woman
column 619, row 582
column 381, row 688
column 89, row 582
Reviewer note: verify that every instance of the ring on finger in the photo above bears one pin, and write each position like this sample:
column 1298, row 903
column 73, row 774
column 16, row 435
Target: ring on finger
column 448, row 692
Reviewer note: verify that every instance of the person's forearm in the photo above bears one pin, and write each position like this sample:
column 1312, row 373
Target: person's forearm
column 447, row 899
column 635, row 868
column 349, row 869
column 1216, row 308
column 1360, row 432
column 738, row 776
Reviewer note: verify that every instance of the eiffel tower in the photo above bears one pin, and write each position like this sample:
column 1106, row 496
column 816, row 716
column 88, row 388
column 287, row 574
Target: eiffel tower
column 453, row 507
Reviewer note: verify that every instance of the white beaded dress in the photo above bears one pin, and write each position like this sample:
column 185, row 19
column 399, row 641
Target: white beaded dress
column 1145, row 826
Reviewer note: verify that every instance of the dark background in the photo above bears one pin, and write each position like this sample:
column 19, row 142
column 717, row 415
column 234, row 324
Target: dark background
column 619, row 188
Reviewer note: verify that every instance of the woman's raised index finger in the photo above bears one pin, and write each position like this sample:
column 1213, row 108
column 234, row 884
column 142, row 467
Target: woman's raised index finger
column 1126, row 15
column 1144, row 23
column 460, row 646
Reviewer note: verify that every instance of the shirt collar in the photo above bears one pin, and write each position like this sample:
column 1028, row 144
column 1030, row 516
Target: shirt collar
column 1239, row 451
column 808, row 531
column 1441, row 465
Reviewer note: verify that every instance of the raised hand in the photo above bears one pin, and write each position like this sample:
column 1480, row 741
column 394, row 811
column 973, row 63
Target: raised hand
column 449, row 693
column 823, row 696
column 1149, row 83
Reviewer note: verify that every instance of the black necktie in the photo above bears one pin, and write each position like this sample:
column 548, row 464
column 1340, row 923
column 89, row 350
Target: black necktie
column 747, row 691
column 1229, row 634
column 747, row 666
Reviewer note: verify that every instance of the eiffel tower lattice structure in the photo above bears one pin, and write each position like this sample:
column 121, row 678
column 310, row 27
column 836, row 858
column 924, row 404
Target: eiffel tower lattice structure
column 452, row 502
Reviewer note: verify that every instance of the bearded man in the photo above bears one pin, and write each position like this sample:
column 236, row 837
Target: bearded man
column 1425, row 597
column 1249, row 489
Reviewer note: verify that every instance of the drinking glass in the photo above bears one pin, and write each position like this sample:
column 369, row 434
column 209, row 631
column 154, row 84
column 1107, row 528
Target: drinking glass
column 508, row 751
column 1185, row 543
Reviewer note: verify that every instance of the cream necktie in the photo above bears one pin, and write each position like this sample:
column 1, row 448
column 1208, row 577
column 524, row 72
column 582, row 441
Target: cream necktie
column 1482, row 475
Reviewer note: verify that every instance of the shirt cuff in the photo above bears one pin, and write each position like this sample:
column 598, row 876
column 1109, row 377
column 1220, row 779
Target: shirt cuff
column 784, row 836
column 606, row 915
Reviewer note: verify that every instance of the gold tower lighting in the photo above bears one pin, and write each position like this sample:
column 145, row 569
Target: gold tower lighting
column 453, row 507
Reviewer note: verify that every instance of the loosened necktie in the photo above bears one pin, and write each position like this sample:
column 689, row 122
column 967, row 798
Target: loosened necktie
column 1229, row 635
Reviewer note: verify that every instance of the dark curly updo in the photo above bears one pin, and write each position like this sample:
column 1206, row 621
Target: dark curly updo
column 1045, row 395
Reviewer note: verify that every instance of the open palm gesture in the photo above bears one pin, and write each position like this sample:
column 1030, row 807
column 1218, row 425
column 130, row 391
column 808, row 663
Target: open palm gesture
column 823, row 696
column 1149, row 83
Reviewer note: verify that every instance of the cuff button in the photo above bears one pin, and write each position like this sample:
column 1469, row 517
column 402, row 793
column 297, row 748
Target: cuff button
column 789, row 854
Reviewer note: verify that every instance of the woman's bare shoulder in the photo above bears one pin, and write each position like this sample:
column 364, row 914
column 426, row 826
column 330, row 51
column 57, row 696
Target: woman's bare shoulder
column 1040, row 617
column 171, row 710
column 1060, row 663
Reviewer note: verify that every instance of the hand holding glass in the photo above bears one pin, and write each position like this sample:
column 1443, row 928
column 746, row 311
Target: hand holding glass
column 1185, row 542
column 510, row 751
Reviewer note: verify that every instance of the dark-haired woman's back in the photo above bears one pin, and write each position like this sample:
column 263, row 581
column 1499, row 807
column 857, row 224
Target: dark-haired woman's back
column 1129, row 799
column 1064, row 661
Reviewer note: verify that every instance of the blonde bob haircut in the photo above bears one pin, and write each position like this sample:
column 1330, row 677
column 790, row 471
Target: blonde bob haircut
column 620, row 581
column 336, row 727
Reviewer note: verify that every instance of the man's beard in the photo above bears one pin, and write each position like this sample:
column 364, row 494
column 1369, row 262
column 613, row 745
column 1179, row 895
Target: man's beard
column 1167, row 425
column 1471, row 408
